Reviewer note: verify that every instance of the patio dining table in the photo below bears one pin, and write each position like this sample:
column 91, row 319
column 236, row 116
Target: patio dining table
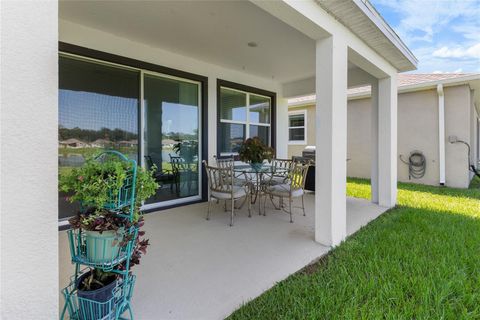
column 259, row 177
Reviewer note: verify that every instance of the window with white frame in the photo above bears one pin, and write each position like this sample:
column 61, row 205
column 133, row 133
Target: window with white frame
column 242, row 115
column 297, row 127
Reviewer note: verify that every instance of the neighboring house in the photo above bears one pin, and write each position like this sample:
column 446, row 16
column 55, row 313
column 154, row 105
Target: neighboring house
column 101, row 143
column 431, row 109
column 127, row 143
column 168, row 143
column 72, row 143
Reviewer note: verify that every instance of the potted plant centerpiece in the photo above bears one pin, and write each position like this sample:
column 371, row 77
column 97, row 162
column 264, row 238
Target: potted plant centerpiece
column 254, row 152
column 105, row 226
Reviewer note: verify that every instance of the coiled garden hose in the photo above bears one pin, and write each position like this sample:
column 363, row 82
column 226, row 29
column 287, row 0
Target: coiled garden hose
column 417, row 165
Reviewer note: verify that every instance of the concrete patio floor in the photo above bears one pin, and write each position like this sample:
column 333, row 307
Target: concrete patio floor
column 198, row 269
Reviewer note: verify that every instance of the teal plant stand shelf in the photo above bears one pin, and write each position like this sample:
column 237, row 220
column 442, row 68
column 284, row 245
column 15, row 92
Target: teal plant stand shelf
column 106, row 252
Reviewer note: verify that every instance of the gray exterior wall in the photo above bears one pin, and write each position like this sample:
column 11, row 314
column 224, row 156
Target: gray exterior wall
column 417, row 130
column 457, row 122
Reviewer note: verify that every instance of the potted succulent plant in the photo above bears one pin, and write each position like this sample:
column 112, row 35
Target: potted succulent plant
column 254, row 152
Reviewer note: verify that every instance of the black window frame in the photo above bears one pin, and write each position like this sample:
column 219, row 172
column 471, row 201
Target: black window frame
column 241, row 87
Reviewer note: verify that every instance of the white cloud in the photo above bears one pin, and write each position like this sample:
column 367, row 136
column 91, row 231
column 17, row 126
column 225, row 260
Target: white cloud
column 443, row 34
column 459, row 52
column 422, row 20
column 456, row 71
column 430, row 63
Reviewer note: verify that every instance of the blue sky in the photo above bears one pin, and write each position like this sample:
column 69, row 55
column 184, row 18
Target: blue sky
column 444, row 35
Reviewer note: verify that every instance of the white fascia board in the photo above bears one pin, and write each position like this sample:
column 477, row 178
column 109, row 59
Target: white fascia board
column 311, row 19
column 385, row 28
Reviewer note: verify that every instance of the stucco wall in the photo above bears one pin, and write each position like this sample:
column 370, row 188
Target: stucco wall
column 359, row 138
column 457, row 115
column 28, row 193
column 417, row 130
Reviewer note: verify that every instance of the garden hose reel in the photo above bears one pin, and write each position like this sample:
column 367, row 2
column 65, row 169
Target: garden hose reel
column 417, row 164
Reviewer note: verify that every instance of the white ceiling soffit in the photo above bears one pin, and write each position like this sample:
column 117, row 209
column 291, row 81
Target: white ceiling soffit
column 374, row 31
column 218, row 32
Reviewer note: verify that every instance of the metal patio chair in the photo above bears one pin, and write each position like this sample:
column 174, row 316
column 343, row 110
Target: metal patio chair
column 281, row 168
column 294, row 187
column 238, row 179
column 221, row 187
column 182, row 173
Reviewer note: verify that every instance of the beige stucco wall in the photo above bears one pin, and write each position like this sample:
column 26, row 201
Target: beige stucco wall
column 359, row 138
column 417, row 130
column 457, row 115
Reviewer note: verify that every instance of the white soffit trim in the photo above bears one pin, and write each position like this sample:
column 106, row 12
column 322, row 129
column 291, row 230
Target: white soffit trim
column 360, row 17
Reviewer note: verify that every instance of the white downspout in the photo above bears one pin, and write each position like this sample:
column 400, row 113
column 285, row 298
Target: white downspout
column 441, row 132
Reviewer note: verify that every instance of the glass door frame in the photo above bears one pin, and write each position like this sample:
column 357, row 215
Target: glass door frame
column 143, row 67
column 189, row 199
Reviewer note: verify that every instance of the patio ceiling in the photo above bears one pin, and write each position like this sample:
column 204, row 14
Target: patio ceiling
column 282, row 52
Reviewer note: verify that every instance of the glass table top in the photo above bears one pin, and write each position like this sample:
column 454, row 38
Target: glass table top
column 265, row 168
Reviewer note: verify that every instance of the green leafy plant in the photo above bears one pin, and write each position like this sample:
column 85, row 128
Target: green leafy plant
column 253, row 150
column 93, row 220
column 94, row 184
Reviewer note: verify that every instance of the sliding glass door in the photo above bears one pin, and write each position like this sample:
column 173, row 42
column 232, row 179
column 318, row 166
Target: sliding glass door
column 150, row 117
column 171, row 137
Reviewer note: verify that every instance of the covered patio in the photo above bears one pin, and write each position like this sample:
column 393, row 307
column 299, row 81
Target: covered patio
column 199, row 269
column 270, row 49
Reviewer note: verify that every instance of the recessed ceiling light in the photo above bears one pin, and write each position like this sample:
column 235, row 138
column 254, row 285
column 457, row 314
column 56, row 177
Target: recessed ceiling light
column 252, row 44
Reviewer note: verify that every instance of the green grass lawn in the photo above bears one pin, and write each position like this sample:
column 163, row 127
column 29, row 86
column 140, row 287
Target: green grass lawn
column 420, row 260
column 475, row 184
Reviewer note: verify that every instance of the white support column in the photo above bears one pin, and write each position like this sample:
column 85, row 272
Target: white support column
column 387, row 141
column 374, row 144
column 331, row 141
column 29, row 159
